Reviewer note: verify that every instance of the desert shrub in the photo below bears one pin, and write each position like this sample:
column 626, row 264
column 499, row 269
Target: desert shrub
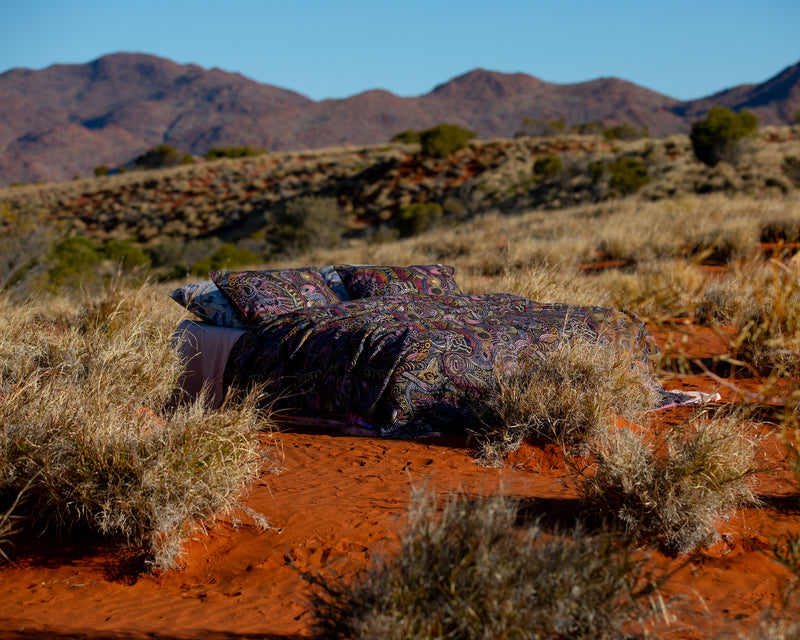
column 537, row 127
column 625, row 131
column 162, row 156
column 443, row 140
column 73, row 260
column 627, row 175
column 125, row 253
column 586, row 128
column 86, row 425
column 673, row 490
column 791, row 169
column 569, row 394
column 769, row 326
column 307, row 222
column 232, row 152
column 416, row 218
column 547, row 167
column 597, row 170
column 409, row 136
column 718, row 138
column 79, row 261
column 227, row 256
column 102, row 170
column 472, row 572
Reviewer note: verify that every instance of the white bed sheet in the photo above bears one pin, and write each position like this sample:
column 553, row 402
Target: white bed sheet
column 204, row 348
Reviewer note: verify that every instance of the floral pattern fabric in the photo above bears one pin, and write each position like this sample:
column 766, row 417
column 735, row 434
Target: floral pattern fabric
column 259, row 295
column 364, row 281
column 405, row 364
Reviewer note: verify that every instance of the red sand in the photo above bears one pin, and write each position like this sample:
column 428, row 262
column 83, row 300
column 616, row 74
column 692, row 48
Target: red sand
column 338, row 500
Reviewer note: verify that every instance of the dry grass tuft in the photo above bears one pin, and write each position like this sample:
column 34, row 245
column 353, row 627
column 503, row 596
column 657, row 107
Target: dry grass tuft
column 570, row 395
column 673, row 490
column 472, row 571
column 84, row 419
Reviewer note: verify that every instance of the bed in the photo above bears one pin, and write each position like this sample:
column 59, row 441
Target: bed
column 384, row 350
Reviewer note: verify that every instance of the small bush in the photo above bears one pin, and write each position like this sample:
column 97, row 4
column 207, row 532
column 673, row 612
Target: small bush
column 587, row 128
column 569, row 394
column 416, row 218
column 627, row 175
column 102, row 170
column 308, row 222
column 673, row 491
column 791, row 169
column 227, row 256
column 444, row 140
column 472, row 572
column 409, row 136
column 718, row 137
column 232, row 152
column 548, row 167
column 162, row 156
column 85, row 426
column 536, row 127
column 625, row 131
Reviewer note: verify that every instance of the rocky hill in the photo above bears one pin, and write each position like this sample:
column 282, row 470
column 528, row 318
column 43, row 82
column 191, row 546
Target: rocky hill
column 67, row 119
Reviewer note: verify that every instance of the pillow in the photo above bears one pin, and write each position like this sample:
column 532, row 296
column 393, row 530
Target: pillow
column 334, row 281
column 259, row 294
column 365, row 281
column 207, row 302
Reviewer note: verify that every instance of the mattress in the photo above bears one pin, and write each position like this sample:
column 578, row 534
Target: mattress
column 204, row 350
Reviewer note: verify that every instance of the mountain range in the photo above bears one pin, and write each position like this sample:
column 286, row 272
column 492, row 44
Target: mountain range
column 65, row 120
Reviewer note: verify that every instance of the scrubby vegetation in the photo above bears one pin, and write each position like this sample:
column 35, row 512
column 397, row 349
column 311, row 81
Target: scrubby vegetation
column 473, row 570
column 162, row 156
column 93, row 435
column 718, row 137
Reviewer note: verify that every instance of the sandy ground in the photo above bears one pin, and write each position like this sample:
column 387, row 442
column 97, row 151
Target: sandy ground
column 337, row 502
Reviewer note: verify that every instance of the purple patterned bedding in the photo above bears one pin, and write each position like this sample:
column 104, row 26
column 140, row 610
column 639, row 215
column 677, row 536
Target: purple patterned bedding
column 403, row 365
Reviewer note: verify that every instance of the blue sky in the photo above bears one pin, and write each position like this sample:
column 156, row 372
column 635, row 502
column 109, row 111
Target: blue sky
column 333, row 49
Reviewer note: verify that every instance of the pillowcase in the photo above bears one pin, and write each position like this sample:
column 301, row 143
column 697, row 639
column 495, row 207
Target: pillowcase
column 206, row 301
column 366, row 281
column 334, row 281
column 256, row 295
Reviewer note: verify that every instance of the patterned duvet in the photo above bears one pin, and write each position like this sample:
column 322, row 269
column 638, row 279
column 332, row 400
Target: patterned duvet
column 402, row 365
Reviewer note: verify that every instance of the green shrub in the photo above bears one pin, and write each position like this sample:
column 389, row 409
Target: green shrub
column 102, row 170
column 416, row 218
column 547, row 167
column 308, row 222
column 472, row 571
column 587, row 128
column 126, row 254
column 625, row 131
column 537, row 127
column 232, row 152
column 226, row 256
column 597, row 170
column 408, row 136
column 443, row 140
column 162, row 156
column 718, row 138
column 73, row 260
column 627, row 175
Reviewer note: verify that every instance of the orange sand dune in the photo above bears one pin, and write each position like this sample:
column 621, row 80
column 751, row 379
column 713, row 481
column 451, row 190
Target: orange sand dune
column 338, row 501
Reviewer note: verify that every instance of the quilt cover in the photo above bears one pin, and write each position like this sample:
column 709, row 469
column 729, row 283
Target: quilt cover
column 404, row 365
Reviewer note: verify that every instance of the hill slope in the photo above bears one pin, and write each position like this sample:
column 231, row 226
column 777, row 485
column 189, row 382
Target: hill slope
column 67, row 119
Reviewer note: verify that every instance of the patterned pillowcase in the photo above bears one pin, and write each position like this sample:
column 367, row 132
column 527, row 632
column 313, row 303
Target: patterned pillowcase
column 206, row 301
column 366, row 281
column 259, row 294
column 334, row 281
